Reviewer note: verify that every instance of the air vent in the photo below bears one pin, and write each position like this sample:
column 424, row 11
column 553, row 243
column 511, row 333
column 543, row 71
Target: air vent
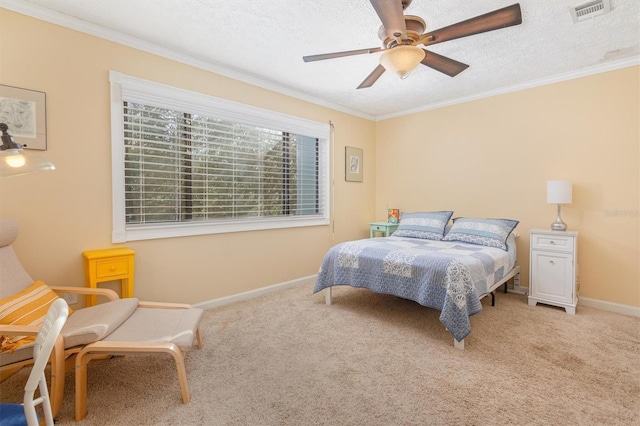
column 589, row 10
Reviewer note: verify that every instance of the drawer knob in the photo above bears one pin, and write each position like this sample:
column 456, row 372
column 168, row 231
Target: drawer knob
column 552, row 262
column 552, row 242
column 113, row 268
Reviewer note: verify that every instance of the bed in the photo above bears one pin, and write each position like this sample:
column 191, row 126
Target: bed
column 450, row 270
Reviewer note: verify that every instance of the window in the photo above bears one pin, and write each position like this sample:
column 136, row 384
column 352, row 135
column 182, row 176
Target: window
column 188, row 164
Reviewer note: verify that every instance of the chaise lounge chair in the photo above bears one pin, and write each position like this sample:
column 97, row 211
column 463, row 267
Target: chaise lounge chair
column 119, row 326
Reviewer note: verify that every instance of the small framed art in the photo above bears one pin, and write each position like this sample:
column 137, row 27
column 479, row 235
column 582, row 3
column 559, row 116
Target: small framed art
column 24, row 112
column 353, row 164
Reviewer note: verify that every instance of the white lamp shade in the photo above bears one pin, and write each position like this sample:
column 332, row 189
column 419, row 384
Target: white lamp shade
column 13, row 162
column 401, row 60
column 559, row 192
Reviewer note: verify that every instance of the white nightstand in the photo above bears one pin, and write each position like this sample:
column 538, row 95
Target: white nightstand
column 553, row 269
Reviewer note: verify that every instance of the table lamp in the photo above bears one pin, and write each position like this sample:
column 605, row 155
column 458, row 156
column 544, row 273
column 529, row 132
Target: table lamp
column 559, row 192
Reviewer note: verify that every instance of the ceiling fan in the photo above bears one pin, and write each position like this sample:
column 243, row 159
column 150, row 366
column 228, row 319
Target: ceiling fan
column 402, row 35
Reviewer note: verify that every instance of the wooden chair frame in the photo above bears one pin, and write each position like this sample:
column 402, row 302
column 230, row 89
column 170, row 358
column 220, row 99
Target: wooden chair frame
column 62, row 360
column 100, row 348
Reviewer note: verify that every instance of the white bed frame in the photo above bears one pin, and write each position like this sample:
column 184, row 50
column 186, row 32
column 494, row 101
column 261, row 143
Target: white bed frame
column 514, row 273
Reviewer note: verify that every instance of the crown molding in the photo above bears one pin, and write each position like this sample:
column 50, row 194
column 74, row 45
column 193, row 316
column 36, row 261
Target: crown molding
column 44, row 14
column 73, row 23
column 596, row 69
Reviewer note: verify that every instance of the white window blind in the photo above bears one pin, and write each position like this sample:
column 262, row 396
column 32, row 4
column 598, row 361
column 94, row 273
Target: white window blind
column 188, row 164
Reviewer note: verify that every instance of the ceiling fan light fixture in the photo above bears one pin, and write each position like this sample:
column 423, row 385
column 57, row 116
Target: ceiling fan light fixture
column 401, row 60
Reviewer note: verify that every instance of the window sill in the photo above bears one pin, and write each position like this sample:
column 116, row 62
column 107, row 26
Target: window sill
column 173, row 230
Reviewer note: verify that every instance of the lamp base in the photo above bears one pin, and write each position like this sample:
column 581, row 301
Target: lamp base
column 558, row 225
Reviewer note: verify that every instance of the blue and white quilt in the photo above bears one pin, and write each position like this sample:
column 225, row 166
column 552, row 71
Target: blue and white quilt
column 446, row 275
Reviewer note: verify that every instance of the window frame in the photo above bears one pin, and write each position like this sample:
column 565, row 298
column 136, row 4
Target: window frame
column 132, row 89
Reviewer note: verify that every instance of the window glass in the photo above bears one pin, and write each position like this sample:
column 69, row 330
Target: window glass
column 190, row 166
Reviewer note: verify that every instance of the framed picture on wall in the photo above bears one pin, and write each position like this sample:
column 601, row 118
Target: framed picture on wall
column 353, row 164
column 24, row 112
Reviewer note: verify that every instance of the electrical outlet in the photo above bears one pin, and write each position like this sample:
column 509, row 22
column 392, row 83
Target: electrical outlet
column 71, row 298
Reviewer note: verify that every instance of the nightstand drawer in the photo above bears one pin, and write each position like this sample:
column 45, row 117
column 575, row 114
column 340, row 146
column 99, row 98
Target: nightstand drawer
column 563, row 243
column 384, row 227
column 112, row 267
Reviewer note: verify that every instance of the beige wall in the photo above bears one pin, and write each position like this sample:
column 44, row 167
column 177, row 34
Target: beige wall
column 492, row 158
column 68, row 210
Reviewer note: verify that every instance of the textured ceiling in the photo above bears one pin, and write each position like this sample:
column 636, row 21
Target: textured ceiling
column 263, row 41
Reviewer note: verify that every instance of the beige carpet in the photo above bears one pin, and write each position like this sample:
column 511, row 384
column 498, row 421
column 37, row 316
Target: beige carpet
column 369, row 359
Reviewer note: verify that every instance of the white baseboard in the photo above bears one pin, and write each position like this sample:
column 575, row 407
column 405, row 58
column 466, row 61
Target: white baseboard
column 603, row 305
column 582, row 301
column 227, row 300
column 518, row 290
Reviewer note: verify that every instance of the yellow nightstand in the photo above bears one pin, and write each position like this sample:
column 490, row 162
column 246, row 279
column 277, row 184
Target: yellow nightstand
column 109, row 265
column 383, row 227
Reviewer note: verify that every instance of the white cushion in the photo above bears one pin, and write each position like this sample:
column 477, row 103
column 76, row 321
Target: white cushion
column 177, row 326
column 94, row 323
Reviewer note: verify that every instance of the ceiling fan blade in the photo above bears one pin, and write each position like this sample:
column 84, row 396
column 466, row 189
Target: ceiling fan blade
column 324, row 56
column 392, row 17
column 372, row 78
column 501, row 18
column 443, row 64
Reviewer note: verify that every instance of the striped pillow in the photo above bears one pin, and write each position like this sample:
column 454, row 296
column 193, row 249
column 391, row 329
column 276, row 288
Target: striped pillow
column 426, row 225
column 485, row 232
column 29, row 307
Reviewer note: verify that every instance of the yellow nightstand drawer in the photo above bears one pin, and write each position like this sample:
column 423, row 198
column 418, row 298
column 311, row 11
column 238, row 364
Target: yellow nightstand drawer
column 112, row 268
